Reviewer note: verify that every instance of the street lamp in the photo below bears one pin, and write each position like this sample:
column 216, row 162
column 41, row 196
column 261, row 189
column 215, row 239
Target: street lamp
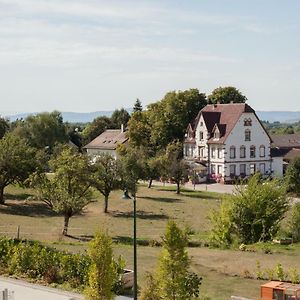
column 127, row 197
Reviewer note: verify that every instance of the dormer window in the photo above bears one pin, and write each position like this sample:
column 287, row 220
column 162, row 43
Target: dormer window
column 216, row 135
column 247, row 122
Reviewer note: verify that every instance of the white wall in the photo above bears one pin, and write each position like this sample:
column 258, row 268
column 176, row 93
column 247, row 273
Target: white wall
column 277, row 166
column 95, row 152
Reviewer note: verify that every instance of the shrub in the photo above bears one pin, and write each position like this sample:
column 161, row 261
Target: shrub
column 294, row 222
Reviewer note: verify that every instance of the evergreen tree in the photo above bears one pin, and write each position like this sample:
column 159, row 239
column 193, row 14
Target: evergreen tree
column 137, row 105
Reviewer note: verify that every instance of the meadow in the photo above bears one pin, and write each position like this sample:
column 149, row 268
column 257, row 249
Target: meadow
column 224, row 272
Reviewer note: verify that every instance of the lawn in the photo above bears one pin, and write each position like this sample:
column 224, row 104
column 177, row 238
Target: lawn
column 223, row 271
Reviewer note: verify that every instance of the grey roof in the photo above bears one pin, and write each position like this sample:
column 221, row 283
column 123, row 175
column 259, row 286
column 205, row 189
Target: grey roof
column 108, row 140
column 286, row 140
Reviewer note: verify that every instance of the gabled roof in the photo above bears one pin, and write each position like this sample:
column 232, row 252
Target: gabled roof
column 225, row 115
column 108, row 140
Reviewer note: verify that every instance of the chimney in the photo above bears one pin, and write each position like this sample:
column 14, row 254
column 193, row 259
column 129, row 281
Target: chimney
column 122, row 128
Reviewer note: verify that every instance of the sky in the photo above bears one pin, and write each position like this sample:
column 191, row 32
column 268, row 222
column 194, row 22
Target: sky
column 92, row 55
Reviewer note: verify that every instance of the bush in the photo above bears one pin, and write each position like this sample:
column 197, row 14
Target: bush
column 294, row 223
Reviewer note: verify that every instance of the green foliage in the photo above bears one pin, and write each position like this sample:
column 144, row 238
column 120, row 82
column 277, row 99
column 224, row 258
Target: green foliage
column 67, row 191
column 151, row 290
column 95, row 128
column 259, row 272
column 4, row 127
column 17, row 161
column 175, row 280
column 279, row 272
column 43, row 130
column 119, row 117
column 294, row 275
column 137, row 105
column 292, row 176
column 294, row 222
column 102, row 272
column 225, row 95
column 105, row 176
column 252, row 214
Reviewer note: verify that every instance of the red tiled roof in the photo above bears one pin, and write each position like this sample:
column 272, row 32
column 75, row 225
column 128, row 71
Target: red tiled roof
column 286, row 140
column 109, row 139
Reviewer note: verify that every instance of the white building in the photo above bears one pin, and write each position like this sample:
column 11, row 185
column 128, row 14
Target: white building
column 230, row 140
column 107, row 142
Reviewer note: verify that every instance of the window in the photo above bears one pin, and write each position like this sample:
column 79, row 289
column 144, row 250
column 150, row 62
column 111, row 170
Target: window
column 232, row 170
column 247, row 122
column 242, row 152
column 252, row 169
column 201, row 123
column 213, row 152
column 252, row 151
column 232, row 152
column 247, row 135
column 201, row 135
column 201, row 151
column 262, row 168
column 262, row 151
column 213, row 169
column 216, row 135
column 219, row 152
column 219, row 169
column 242, row 169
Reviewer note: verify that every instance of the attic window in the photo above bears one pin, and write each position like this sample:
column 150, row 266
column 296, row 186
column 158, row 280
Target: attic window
column 247, row 122
column 216, row 135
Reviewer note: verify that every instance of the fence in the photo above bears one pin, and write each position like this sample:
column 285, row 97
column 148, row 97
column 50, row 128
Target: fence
column 7, row 295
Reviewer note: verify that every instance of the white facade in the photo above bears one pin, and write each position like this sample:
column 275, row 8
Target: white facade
column 98, row 152
column 238, row 149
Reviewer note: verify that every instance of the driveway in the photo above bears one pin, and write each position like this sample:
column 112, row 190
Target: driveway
column 26, row 291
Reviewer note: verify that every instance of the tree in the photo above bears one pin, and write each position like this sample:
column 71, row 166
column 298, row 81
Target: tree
column 292, row 176
column 225, row 95
column 43, row 130
column 137, row 105
column 119, row 117
column 294, row 222
column 102, row 272
column 176, row 168
column 252, row 214
column 105, row 177
column 151, row 290
column 95, row 128
column 175, row 279
column 4, row 127
column 17, row 162
column 67, row 191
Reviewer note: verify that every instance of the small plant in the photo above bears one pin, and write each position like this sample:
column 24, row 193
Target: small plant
column 294, row 275
column 246, row 273
column 279, row 272
column 270, row 273
column 242, row 247
column 259, row 273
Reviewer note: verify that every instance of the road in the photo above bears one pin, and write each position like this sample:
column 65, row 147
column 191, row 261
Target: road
column 26, row 291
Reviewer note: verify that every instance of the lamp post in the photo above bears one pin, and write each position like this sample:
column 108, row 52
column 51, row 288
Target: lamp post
column 126, row 197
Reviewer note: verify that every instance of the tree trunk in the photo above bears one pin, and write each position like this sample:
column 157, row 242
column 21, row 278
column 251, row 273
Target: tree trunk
column 66, row 225
column 105, row 204
column 2, row 195
column 150, row 183
column 178, row 187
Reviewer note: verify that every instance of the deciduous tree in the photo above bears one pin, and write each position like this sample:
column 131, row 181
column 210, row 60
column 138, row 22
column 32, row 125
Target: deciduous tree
column 292, row 176
column 4, row 127
column 17, row 161
column 224, row 95
column 119, row 117
column 67, row 190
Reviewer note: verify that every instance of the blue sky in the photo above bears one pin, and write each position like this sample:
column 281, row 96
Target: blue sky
column 88, row 55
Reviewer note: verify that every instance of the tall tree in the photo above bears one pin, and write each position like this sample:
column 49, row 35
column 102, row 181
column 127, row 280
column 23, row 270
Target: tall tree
column 119, row 117
column 17, row 161
column 228, row 94
column 95, row 128
column 292, row 176
column 4, row 127
column 137, row 105
column 67, row 191
column 105, row 176
column 175, row 280
column 102, row 272
column 43, row 130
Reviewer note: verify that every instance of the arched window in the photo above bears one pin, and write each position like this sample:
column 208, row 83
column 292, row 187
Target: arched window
column 252, row 151
column 232, row 152
column 247, row 135
column 262, row 151
column 242, row 152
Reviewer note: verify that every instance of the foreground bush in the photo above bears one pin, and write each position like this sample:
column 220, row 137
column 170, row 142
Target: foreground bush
column 33, row 260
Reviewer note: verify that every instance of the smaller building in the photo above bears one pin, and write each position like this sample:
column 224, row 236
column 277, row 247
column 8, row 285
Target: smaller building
column 106, row 142
column 280, row 291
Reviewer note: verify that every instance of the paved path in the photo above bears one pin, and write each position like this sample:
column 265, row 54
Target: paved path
column 27, row 291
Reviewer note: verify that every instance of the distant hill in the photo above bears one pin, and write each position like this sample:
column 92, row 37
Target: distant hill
column 74, row 117
column 280, row 116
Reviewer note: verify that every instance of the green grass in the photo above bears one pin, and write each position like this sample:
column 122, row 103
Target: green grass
column 222, row 270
